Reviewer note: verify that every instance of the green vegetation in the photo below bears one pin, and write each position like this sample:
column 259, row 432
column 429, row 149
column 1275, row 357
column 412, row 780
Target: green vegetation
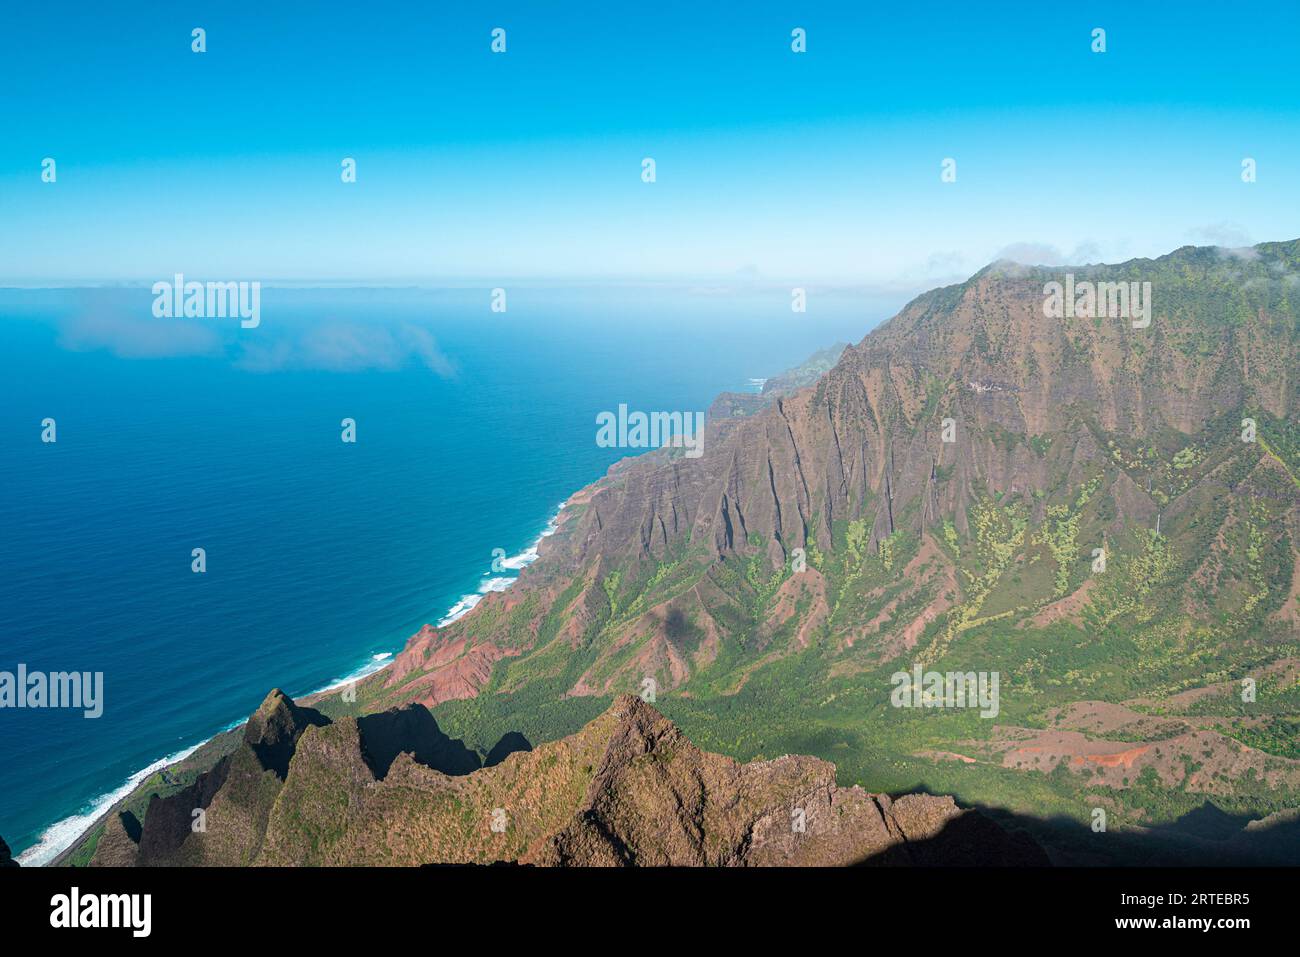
column 1012, row 579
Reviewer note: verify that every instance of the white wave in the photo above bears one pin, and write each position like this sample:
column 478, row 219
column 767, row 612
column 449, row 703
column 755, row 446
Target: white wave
column 376, row 663
column 530, row 554
column 59, row 836
column 520, row 561
column 459, row 610
column 466, row 603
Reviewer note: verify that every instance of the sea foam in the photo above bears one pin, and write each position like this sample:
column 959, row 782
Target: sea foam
column 62, row 834
column 491, row 583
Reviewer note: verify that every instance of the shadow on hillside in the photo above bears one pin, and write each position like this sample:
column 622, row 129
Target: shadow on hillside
column 972, row 840
column 510, row 742
column 676, row 625
column 274, row 746
column 1204, row 837
column 412, row 729
column 131, row 824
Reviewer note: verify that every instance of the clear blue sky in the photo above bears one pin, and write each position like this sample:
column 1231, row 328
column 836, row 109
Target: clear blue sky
column 821, row 166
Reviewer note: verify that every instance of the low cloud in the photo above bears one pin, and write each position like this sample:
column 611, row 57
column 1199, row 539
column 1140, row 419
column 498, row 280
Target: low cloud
column 346, row 347
column 1031, row 254
column 132, row 337
column 945, row 264
column 340, row 345
column 1045, row 254
column 1229, row 236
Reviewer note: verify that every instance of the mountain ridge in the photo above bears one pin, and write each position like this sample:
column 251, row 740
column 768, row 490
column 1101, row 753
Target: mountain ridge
column 863, row 443
column 831, row 534
column 629, row 789
column 1077, row 444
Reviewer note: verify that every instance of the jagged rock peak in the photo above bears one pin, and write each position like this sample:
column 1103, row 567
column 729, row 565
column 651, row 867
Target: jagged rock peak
column 6, row 857
column 273, row 730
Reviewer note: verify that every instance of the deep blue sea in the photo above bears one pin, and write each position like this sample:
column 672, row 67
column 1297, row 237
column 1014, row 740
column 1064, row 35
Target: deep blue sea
column 322, row 556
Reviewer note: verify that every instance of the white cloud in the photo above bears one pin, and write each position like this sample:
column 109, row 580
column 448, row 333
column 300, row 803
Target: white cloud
column 131, row 337
column 346, row 347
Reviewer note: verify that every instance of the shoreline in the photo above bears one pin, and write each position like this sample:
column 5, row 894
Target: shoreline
column 58, row 838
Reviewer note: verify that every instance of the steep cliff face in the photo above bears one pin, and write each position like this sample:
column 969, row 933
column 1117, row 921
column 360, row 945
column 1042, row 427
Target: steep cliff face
column 220, row 819
column 984, row 354
column 1103, row 515
column 969, row 437
column 1100, row 510
column 629, row 789
column 118, row 846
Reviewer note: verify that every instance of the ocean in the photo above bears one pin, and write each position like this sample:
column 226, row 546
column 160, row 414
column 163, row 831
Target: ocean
column 322, row 556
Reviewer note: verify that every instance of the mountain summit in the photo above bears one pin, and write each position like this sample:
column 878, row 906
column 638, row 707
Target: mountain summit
column 1098, row 502
column 970, row 441
column 1067, row 501
column 628, row 789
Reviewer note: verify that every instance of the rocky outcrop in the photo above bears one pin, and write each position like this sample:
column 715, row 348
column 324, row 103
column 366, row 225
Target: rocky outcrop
column 657, row 800
column 221, row 816
column 273, row 731
column 6, row 857
column 651, row 566
column 432, row 670
column 119, row 845
column 629, row 789
column 955, row 474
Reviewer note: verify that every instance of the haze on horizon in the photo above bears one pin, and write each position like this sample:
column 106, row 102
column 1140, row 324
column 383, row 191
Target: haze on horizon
column 823, row 166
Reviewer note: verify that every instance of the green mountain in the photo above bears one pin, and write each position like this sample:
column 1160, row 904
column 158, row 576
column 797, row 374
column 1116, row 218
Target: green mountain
column 1085, row 517
column 830, row 537
column 628, row 789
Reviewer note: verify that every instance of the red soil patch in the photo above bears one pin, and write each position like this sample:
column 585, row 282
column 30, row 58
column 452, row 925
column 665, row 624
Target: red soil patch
column 1119, row 759
column 1290, row 610
column 1070, row 607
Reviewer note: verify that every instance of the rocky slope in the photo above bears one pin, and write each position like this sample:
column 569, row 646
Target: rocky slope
column 1105, row 515
column 1066, row 435
column 1095, row 510
column 628, row 789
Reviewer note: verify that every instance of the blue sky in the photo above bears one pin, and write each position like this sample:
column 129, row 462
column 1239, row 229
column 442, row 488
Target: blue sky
column 823, row 166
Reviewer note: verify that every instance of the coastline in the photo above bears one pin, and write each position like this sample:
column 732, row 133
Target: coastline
column 58, row 838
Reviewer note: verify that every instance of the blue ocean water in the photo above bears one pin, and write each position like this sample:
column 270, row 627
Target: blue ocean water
column 322, row 556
